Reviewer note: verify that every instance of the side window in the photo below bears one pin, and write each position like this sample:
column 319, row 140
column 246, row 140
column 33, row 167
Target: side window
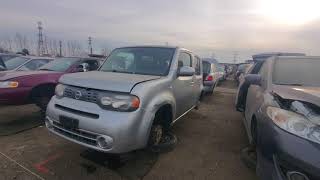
column 34, row 64
column 197, row 65
column 264, row 73
column 255, row 68
column 184, row 60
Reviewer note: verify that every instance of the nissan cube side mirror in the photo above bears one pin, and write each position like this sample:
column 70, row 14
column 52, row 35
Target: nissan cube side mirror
column 186, row 71
column 253, row 79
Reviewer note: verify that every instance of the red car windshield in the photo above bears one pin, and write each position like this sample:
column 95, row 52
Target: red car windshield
column 60, row 64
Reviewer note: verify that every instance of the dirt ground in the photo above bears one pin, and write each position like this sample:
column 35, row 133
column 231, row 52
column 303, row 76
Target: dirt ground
column 209, row 144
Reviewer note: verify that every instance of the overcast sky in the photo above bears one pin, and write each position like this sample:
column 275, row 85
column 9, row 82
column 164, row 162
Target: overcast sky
column 221, row 27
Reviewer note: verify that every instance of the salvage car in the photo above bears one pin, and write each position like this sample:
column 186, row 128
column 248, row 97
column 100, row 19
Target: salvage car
column 37, row 87
column 25, row 63
column 258, row 60
column 210, row 76
column 130, row 103
column 282, row 117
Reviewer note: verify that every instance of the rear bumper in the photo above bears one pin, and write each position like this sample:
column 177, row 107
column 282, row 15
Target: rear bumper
column 14, row 96
column 208, row 86
column 280, row 152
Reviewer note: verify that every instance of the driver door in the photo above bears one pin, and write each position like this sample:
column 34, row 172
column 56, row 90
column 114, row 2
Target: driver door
column 183, row 86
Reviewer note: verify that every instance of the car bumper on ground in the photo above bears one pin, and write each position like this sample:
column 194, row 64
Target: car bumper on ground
column 119, row 131
column 281, row 154
column 14, row 96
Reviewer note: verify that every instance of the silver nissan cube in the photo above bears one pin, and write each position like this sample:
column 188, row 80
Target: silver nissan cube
column 130, row 102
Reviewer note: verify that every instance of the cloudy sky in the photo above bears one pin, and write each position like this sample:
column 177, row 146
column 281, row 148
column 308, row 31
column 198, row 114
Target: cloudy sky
column 219, row 27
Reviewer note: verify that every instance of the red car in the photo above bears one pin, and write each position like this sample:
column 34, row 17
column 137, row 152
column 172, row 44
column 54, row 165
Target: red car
column 37, row 87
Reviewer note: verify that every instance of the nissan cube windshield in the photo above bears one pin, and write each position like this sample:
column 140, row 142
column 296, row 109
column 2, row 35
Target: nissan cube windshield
column 139, row 60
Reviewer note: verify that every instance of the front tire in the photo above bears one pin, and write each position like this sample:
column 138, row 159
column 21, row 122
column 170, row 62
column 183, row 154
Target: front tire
column 156, row 135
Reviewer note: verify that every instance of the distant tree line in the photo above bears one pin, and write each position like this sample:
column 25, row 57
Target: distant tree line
column 18, row 42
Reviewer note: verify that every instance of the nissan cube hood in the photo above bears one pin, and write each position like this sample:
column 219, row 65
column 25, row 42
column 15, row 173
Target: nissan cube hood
column 109, row 81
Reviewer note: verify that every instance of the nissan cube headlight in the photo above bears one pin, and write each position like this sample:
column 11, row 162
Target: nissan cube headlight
column 119, row 102
column 60, row 90
column 295, row 123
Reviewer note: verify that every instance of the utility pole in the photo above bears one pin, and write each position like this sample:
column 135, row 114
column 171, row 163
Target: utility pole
column 213, row 56
column 235, row 57
column 60, row 48
column 90, row 44
column 40, row 39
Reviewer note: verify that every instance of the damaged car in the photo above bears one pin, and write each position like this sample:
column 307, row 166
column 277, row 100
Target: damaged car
column 282, row 117
column 131, row 102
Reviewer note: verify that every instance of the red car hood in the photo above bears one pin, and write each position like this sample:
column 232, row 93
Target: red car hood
column 300, row 93
column 15, row 74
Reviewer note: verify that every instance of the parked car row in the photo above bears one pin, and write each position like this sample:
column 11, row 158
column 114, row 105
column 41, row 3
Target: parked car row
column 125, row 103
column 280, row 99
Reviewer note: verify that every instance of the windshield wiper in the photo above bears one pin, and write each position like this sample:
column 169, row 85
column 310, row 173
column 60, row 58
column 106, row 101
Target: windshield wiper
column 44, row 69
column 288, row 84
column 113, row 70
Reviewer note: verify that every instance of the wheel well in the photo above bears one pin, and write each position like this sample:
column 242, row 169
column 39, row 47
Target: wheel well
column 164, row 115
column 42, row 89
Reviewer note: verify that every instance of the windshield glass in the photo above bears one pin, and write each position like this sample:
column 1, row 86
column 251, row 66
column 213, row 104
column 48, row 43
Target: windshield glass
column 60, row 64
column 206, row 67
column 304, row 72
column 15, row 62
column 139, row 60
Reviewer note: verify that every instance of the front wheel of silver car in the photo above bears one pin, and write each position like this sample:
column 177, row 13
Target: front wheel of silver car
column 156, row 135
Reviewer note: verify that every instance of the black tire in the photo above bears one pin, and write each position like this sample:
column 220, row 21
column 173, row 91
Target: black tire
column 156, row 134
column 249, row 158
column 168, row 143
column 249, row 154
column 41, row 97
column 160, row 138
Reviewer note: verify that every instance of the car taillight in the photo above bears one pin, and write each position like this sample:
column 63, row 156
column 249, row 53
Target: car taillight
column 209, row 78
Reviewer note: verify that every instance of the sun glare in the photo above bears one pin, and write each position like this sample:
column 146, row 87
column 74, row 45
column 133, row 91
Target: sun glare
column 290, row 12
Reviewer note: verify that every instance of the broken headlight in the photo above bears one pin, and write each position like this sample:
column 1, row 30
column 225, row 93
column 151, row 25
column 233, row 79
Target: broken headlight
column 295, row 123
column 119, row 102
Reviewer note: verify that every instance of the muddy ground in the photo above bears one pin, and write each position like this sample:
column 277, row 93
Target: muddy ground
column 209, row 144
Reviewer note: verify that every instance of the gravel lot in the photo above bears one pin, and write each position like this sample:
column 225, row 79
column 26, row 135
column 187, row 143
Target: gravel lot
column 209, row 143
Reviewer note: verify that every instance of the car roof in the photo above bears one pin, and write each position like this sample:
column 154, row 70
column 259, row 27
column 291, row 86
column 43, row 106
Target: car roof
column 36, row 57
column 298, row 57
column 10, row 54
column 81, row 58
column 149, row 46
column 210, row 60
column 264, row 56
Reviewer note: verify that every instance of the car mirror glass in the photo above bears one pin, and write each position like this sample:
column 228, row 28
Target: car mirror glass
column 186, row 71
column 253, row 79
